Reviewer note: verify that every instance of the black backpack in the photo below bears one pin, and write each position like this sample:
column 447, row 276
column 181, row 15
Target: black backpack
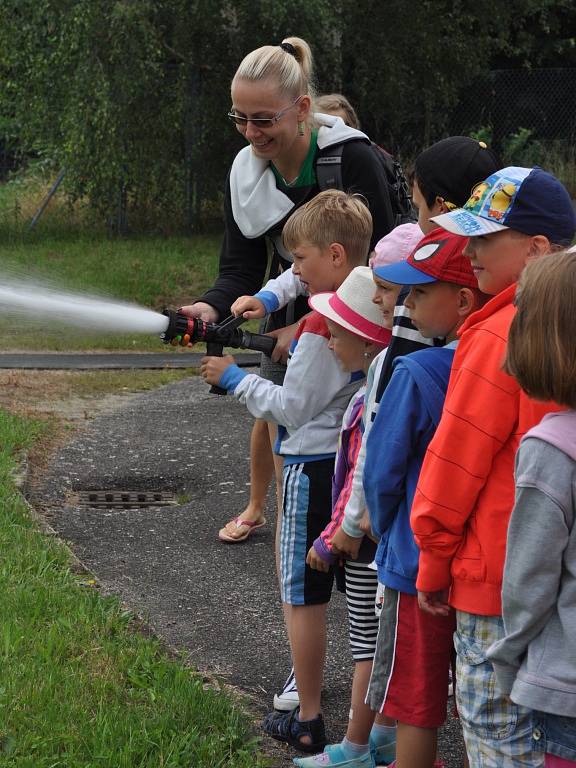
column 329, row 176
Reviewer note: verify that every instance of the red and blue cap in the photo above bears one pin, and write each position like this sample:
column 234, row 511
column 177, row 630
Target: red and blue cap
column 438, row 257
column 527, row 200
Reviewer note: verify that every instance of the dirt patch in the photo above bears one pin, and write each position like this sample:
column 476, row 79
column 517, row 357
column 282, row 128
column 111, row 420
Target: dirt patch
column 66, row 401
column 37, row 393
column 75, row 396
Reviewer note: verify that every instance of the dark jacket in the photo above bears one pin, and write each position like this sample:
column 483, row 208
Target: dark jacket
column 244, row 252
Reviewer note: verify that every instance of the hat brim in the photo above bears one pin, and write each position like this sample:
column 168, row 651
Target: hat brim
column 403, row 273
column 463, row 222
column 321, row 303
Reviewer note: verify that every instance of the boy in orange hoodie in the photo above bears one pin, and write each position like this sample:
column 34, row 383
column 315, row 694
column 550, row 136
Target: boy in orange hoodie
column 465, row 490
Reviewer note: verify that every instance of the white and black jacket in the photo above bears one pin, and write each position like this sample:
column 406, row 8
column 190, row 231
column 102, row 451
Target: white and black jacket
column 255, row 210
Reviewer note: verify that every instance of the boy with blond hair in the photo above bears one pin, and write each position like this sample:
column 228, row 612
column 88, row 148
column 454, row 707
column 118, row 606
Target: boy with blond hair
column 465, row 491
column 328, row 237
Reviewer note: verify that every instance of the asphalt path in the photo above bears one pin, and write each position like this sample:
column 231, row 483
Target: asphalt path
column 218, row 602
column 110, row 360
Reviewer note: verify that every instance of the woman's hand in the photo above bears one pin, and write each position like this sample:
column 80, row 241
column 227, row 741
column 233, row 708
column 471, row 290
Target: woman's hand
column 284, row 337
column 315, row 562
column 212, row 368
column 345, row 546
column 200, row 310
column 249, row 307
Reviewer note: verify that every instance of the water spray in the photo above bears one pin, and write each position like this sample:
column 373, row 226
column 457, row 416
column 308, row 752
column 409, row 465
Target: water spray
column 31, row 302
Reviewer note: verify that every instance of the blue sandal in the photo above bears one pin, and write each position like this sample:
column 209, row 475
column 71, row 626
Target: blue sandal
column 286, row 727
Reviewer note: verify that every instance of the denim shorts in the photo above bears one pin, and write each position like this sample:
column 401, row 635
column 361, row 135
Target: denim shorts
column 497, row 732
column 555, row 735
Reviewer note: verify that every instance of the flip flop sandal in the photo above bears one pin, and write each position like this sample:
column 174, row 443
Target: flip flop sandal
column 285, row 726
column 251, row 526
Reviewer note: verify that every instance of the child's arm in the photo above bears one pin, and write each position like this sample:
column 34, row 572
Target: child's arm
column 400, row 422
column 480, row 415
column 355, row 511
column 333, row 542
column 537, row 537
column 276, row 293
column 313, row 379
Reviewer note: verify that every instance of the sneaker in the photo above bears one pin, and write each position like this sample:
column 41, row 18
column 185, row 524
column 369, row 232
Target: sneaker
column 331, row 758
column 288, row 698
column 384, row 754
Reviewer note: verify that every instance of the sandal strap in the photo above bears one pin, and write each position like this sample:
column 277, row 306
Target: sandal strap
column 250, row 523
column 287, row 725
column 280, row 723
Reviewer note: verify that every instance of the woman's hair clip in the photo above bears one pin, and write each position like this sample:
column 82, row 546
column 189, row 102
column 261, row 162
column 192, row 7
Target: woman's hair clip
column 289, row 48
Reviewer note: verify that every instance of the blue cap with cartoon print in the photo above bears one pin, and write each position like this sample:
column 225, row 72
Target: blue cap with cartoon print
column 528, row 200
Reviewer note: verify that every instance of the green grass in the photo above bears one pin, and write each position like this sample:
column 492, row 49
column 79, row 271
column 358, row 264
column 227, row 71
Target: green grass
column 80, row 687
column 70, row 251
column 152, row 272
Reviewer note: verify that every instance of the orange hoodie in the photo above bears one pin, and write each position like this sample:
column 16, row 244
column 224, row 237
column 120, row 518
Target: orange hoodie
column 465, row 491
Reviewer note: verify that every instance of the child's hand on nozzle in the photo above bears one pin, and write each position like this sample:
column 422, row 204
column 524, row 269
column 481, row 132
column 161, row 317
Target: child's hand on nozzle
column 435, row 603
column 315, row 562
column 345, row 546
column 249, row 307
column 212, row 368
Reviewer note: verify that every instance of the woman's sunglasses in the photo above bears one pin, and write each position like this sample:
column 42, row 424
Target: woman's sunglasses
column 261, row 122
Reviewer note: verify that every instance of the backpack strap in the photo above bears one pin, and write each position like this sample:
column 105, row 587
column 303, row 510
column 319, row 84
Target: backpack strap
column 329, row 169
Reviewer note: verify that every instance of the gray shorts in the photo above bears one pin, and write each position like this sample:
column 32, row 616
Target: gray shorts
column 271, row 371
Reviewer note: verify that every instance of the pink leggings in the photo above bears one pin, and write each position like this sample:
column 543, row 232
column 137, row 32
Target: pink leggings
column 551, row 761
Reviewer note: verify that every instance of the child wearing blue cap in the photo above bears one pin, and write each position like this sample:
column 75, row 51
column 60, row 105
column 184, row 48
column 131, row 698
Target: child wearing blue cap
column 465, row 491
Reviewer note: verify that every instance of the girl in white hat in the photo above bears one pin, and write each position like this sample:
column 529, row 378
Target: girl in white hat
column 358, row 333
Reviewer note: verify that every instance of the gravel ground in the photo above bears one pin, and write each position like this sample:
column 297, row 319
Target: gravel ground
column 218, row 602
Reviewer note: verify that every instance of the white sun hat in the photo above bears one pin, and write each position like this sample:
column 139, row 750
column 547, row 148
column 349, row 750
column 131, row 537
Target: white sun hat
column 352, row 308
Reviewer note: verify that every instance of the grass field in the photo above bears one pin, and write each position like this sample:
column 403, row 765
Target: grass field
column 82, row 685
column 73, row 255
column 152, row 272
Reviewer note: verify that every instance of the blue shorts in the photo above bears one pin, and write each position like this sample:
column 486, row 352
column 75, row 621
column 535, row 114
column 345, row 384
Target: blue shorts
column 555, row 735
column 306, row 511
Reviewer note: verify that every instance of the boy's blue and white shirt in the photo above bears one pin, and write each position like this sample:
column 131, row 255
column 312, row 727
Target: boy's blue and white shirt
column 310, row 405
column 280, row 290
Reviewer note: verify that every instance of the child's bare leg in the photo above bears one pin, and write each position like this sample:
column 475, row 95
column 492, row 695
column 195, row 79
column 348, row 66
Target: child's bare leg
column 278, row 465
column 415, row 747
column 261, row 469
column 307, row 631
column 361, row 717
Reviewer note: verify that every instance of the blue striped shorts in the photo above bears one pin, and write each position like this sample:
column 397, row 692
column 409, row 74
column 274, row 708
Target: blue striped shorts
column 306, row 511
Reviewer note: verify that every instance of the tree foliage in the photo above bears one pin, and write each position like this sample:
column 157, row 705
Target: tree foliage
column 130, row 96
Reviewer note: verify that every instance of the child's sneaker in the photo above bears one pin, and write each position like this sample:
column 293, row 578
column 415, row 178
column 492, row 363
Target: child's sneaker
column 288, row 698
column 332, row 757
column 383, row 754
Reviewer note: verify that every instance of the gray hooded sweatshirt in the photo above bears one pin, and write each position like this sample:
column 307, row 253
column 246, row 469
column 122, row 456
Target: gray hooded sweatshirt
column 535, row 663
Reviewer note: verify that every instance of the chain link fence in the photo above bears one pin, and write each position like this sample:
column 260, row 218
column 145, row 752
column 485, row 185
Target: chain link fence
column 528, row 116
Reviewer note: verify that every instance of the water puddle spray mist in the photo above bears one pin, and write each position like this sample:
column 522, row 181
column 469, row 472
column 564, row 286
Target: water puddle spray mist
column 31, row 302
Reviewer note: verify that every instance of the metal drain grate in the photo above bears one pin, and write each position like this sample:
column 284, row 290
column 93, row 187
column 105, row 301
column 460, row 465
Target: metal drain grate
column 126, row 499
